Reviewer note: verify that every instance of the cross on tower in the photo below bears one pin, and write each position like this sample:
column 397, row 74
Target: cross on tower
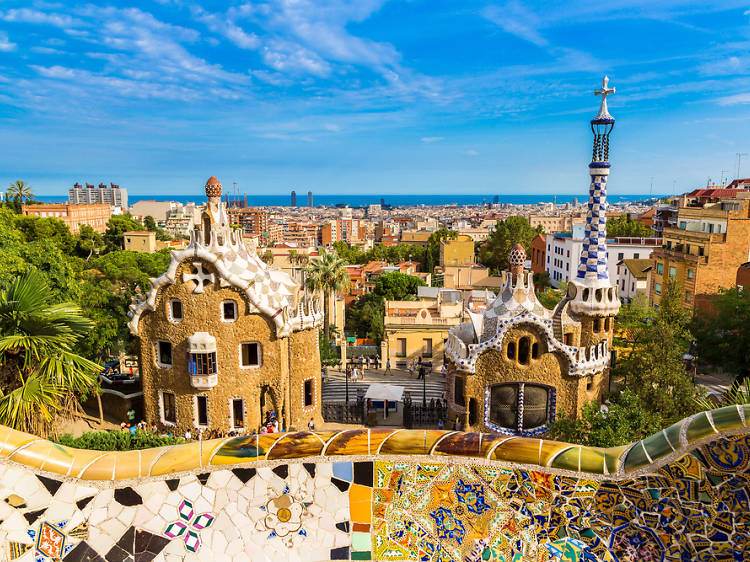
column 200, row 277
column 604, row 91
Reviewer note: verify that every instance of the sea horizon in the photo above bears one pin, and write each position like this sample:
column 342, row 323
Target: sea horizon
column 395, row 200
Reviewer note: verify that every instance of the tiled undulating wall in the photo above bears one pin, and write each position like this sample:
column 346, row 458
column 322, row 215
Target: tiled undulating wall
column 683, row 494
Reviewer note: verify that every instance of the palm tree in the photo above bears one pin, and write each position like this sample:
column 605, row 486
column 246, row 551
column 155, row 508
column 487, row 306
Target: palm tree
column 20, row 191
column 40, row 375
column 328, row 275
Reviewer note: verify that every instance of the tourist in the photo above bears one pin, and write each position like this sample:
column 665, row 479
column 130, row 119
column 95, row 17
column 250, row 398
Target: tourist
column 388, row 366
column 131, row 416
column 411, row 368
column 132, row 429
column 188, row 435
column 153, row 427
column 275, row 426
column 354, row 374
column 442, row 370
column 311, row 425
column 263, row 429
column 440, row 423
column 123, row 427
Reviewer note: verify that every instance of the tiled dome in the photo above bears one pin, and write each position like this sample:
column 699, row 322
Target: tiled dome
column 517, row 256
column 213, row 187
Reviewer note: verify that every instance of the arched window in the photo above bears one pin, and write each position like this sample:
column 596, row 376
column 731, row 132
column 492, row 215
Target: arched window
column 520, row 408
column 524, row 350
column 510, row 351
column 597, row 325
column 535, row 350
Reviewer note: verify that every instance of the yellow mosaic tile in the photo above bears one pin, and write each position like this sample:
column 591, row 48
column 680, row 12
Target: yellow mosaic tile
column 177, row 459
column 518, row 450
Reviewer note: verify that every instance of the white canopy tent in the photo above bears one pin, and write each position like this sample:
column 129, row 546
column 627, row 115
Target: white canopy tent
column 389, row 392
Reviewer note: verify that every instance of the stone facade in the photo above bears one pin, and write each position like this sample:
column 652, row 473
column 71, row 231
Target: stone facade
column 224, row 340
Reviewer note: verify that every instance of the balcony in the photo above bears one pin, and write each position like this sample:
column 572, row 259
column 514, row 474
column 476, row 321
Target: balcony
column 204, row 382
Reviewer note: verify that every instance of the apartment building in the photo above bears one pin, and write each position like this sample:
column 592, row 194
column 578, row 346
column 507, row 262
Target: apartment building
column 95, row 215
column 564, row 250
column 702, row 254
column 539, row 253
column 632, row 278
column 459, row 251
column 414, row 329
column 112, row 195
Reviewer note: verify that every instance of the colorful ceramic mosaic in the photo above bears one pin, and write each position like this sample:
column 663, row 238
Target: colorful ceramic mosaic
column 683, row 494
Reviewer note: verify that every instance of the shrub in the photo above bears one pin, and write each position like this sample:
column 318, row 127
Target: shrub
column 117, row 440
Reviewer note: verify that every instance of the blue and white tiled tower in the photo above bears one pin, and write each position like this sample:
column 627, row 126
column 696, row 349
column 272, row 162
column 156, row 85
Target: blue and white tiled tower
column 591, row 292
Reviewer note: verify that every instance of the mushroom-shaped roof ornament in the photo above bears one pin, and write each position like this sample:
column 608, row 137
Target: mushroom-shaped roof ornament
column 213, row 187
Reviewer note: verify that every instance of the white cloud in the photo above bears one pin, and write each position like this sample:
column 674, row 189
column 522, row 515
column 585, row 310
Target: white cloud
column 432, row 139
column 286, row 56
column 471, row 153
column 516, row 19
column 225, row 26
column 5, row 43
column 27, row 15
column 735, row 99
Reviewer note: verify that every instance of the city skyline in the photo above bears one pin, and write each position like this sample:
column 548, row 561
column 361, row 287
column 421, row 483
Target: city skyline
column 334, row 98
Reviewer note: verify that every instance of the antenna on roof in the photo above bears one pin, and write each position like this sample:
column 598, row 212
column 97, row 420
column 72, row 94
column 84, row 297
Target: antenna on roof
column 723, row 178
column 739, row 163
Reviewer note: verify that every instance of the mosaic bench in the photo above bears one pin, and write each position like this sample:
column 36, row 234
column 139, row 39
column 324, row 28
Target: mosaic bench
column 377, row 494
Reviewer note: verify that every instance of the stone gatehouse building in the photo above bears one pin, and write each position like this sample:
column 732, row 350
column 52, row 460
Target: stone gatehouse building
column 513, row 367
column 224, row 339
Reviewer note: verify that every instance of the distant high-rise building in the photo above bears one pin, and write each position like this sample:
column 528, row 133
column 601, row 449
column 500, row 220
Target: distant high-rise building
column 294, row 198
column 309, row 199
column 113, row 195
column 382, row 201
column 575, row 201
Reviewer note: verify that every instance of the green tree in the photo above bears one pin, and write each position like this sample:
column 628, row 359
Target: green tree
column 40, row 375
column 722, row 333
column 653, row 368
column 88, row 242
column 494, row 253
column 620, row 422
column 329, row 353
column 46, row 229
column 328, row 275
column 397, row 286
column 116, row 227
column 149, row 223
column 20, row 191
column 623, row 226
column 364, row 318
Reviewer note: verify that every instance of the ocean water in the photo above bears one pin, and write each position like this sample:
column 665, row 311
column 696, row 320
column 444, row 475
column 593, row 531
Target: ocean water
column 397, row 200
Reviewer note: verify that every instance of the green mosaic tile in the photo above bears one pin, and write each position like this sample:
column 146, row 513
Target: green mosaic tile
column 726, row 418
column 361, row 555
column 636, row 458
column 746, row 411
column 360, row 541
column 657, row 446
column 699, row 427
column 673, row 433
column 568, row 459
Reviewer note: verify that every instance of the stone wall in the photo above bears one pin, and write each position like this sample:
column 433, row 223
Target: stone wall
column 380, row 494
column 202, row 313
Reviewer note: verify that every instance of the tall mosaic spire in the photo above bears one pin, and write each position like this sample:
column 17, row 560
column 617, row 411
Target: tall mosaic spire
column 593, row 262
column 591, row 290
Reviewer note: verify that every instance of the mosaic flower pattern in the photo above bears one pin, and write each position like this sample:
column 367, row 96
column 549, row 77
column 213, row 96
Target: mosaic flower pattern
column 284, row 517
column 189, row 525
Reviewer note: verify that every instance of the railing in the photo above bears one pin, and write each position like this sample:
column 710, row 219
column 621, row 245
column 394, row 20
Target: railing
column 341, row 412
column 418, row 415
column 421, row 321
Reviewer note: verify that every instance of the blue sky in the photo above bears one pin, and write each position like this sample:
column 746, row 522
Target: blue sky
column 370, row 96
